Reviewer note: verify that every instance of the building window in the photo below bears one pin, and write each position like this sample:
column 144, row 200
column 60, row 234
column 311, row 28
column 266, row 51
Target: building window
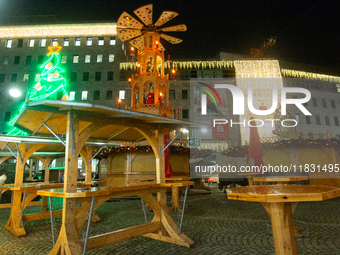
column 28, row 60
column 315, row 103
column 75, row 58
column 37, row 77
column 110, row 76
column 9, row 43
column 16, row 60
column 31, row 43
column 87, row 58
column 96, row 95
column 336, row 121
column 121, row 94
column 333, row 104
column 100, row 41
column 297, row 118
column 84, row 95
column 86, row 76
column 5, row 60
column 14, row 77
column 54, row 42
column 111, row 58
column 338, row 87
column 184, row 94
column 7, row 116
column 98, row 76
column 26, row 76
column 99, row 58
column 63, row 59
column 327, row 121
column 308, row 119
column 43, row 42
column 108, row 94
column 112, row 40
column 66, row 42
column 317, row 118
column 89, row 41
column 73, row 76
column 324, row 105
column 77, row 41
column 2, row 78
column 40, row 59
column 172, row 94
column 185, row 114
column 72, row 95
column 20, row 41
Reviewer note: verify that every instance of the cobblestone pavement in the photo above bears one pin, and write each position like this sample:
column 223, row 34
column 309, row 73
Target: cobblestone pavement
column 216, row 224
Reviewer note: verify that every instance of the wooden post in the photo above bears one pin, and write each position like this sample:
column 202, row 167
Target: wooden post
column 88, row 165
column 280, row 214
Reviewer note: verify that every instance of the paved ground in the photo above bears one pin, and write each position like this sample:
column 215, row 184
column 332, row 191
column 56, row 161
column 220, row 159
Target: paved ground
column 216, row 224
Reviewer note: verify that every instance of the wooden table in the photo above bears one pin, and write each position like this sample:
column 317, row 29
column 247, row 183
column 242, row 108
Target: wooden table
column 161, row 227
column 280, row 202
column 175, row 189
column 29, row 191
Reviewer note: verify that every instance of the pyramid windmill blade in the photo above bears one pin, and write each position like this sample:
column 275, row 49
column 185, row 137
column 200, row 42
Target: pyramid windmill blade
column 177, row 28
column 126, row 20
column 138, row 43
column 127, row 33
column 165, row 17
column 171, row 39
column 144, row 13
column 160, row 46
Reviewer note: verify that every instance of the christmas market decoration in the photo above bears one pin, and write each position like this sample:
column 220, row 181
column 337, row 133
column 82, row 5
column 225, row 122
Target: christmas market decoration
column 257, row 53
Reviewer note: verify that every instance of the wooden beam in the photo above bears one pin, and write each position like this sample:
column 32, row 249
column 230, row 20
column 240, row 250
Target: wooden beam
column 122, row 235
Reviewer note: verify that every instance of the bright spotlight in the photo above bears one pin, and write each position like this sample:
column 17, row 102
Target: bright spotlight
column 15, row 92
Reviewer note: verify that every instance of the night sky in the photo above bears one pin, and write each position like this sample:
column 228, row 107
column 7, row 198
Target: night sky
column 214, row 25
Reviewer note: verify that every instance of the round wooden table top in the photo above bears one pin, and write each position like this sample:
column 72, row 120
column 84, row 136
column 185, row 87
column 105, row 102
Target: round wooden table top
column 283, row 193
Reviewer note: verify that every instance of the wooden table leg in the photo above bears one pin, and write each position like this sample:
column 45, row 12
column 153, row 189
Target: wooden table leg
column 282, row 227
column 175, row 196
column 250, row 181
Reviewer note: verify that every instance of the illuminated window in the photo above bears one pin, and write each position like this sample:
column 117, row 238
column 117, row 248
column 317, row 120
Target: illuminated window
column 72, row 95
column 87, row 58
column 121, row 94
column 16, row 60
column 40, row 59
column 5, row 60
column 28, row 60
column 63, row 59
column 84, row 95
column 20, row 42
column 26, row 76
column 327, row 121
column 96, row 95
column 86, row 76
column 9, row 43
column 66, row 42
column 89, row 41
column 37, row 77
column 108, row 94
column 336, row 121
column 100, row 40
column 75, row 58
column 77, row 41
column 54, row 41
column 31, row 43
column 112, row 40
column 43, row 42
column 111, row 58
column 110, row 76
column 98, row 76
column 99, row 58
column 297, row 118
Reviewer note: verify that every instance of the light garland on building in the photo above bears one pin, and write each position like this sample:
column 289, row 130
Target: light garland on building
column 307, row 75
column 99, row 29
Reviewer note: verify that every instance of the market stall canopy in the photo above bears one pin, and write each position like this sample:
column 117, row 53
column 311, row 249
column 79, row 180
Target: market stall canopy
column 40, row 116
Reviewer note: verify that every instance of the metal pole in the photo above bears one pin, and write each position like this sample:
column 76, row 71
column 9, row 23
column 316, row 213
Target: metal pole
column 184, row 202
column 52, row 220
column 143, row 205
column 88, row 226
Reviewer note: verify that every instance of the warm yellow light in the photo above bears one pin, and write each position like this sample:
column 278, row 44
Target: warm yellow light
column 173, row 71
column 119, row 100
column 132, row 48
column 129, row 79
column 138, row 65
column 161, row 94
column 181, row 130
